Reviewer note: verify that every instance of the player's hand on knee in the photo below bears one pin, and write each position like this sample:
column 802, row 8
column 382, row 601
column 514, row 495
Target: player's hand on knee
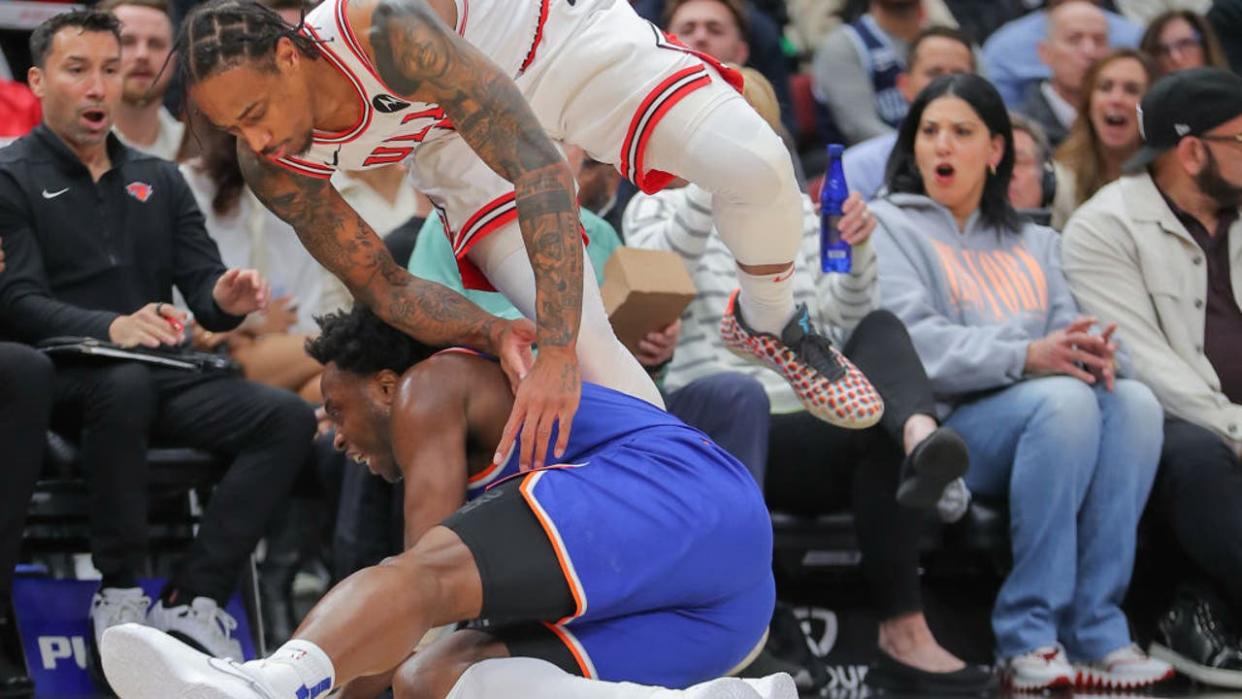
column 547, row 397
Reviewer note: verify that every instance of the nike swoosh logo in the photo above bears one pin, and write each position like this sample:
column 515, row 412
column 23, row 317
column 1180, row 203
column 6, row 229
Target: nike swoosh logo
column 53, row 195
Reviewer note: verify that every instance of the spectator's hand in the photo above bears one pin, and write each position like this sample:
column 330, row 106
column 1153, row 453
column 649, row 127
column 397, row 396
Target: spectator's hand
column 152, row 325
column 1, row 254
column 1064, row 350
column 239, row 292
column 548, row 395
column 1108, row 352
column 657, row 347
column 280, row 315
column 205, row 340
column 858, row 223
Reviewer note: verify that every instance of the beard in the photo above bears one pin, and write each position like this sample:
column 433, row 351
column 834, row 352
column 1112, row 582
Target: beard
column 1224, row 193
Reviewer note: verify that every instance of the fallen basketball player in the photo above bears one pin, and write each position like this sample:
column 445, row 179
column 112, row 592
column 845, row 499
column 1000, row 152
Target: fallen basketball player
column 643, row 556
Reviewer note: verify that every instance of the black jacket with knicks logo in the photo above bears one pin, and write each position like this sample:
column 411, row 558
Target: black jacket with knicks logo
column 79, row 253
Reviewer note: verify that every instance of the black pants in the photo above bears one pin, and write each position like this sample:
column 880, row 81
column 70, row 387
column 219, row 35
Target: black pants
column 26, row 378
column 815, row 467
column 119, row 408
column 1198, row 495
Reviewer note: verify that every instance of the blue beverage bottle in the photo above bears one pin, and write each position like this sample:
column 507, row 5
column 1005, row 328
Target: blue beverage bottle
column 835, row 255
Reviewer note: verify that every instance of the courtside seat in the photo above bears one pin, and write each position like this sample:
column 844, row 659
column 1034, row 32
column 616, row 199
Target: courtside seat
column 179, row 480
column 826, row 545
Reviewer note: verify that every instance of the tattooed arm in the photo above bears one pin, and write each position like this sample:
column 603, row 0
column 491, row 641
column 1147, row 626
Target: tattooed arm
column 423, row 60
column 420, row 58
column 343, row 243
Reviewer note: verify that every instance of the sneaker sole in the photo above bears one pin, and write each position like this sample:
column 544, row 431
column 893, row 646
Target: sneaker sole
column 1229, row 679
column 850, row 421
column 1054, row 683
column 1089, row 679
column 144, row 663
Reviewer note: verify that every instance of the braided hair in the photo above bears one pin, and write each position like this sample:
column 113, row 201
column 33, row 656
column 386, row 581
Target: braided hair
column 223, row 34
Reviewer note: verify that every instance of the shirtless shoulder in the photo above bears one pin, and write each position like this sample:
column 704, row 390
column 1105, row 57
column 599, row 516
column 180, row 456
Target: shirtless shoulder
column 463, row 385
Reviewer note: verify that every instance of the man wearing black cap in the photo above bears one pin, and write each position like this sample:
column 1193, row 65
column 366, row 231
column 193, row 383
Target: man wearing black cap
column 1160, row 252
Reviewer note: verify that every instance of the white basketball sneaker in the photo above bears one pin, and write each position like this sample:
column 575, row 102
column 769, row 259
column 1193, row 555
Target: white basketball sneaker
column 144, row 663
column 201, row 623
column 779, row 686
column 1038, row 670
column 1124, row 668
column 112, row 606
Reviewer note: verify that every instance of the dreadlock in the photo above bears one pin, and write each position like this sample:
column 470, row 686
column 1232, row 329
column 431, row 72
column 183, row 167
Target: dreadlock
column 223, row 34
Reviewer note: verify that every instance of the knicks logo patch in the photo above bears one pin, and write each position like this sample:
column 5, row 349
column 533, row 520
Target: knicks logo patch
column 388, row 104
column 140, row 191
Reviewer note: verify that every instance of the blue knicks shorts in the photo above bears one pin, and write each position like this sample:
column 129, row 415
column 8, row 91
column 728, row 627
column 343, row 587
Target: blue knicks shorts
column 649, row 562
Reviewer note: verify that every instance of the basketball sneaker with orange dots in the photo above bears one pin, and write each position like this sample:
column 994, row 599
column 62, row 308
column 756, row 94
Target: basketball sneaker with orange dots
column 829, row 386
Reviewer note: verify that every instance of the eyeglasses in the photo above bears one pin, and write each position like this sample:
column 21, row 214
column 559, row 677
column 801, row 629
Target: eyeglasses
column 1194, row 41
column 1223, row 138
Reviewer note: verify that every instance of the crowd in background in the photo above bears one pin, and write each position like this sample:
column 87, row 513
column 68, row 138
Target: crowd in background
column 1053, row 281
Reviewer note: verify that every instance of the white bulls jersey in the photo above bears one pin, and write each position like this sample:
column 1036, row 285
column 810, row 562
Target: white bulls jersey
column 509, row 32
column 595, row 74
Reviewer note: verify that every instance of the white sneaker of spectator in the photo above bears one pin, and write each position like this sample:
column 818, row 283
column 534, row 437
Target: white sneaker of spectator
column 1042, row 668
column 112, row 606
column 954, row 502
column 201, row 623
column 1124, row 668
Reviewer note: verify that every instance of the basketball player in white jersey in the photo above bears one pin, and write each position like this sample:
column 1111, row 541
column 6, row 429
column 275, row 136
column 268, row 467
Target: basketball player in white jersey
column 477, row 87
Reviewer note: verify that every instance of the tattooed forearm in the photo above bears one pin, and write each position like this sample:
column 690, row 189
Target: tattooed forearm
column 422, row 59
column 343, row 243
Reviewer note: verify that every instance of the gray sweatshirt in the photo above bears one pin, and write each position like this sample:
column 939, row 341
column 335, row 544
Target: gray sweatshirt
column 972, row 300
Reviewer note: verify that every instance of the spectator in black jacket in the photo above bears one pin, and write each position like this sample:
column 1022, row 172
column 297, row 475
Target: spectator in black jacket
column 97, row 236
column 25, row 405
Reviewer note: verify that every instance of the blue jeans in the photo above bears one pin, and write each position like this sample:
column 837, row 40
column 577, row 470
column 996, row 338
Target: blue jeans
column 732, row 409
column 1076, row 464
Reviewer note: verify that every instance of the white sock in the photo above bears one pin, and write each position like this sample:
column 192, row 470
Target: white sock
column 766, row 300
column 528, row 678
column 296, row 666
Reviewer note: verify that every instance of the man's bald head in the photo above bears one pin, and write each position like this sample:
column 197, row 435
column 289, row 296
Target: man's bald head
column 1077, row 38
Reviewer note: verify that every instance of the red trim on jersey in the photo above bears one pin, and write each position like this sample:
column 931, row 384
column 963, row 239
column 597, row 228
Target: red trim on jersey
column 346, row 30
column 304, row 167
column 658, row 103
column 468, row 229
column 364, row 119
column 465, row 16
column 731, row 75
column 386, row 155
column 534, row 47
column 648, row 115
column 492, row 216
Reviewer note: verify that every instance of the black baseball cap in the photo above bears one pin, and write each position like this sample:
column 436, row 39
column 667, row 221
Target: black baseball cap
column 1186, row 103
